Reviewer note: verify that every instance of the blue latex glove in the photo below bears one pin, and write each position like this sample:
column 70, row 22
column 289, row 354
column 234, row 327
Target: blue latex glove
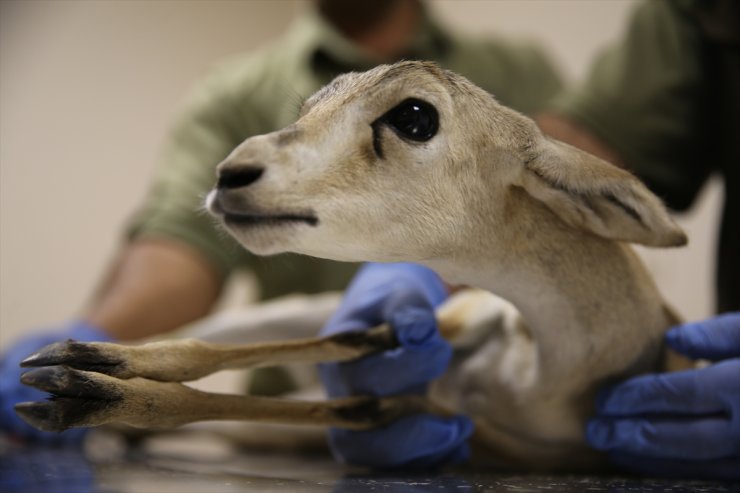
column 681, row 424
column 404, row 295
column 12, row 391
column 38, row 468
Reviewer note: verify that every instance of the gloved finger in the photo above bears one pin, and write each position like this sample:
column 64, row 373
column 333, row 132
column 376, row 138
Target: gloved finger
column 374, row 308
column 715, row 339
column 722, row 469
column 702, row 439
column 703, row 391
column 398, row 276
column 421, row 356
column 419, row 441
column 376, row 286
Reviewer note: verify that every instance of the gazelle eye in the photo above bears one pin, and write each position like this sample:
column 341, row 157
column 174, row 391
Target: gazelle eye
column 413, row 119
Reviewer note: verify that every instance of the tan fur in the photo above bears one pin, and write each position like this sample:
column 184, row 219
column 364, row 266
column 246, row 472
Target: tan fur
column 488, row 202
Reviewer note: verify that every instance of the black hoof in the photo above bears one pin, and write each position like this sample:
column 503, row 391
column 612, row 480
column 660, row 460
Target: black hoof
column 69, row 382
column 79, row 355
column 41, row 415
column 76, row 398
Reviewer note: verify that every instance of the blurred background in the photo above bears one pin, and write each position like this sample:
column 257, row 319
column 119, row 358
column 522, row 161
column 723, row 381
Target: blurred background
column 88, row 89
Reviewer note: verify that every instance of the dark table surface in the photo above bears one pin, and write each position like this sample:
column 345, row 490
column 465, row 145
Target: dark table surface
column 196, row 462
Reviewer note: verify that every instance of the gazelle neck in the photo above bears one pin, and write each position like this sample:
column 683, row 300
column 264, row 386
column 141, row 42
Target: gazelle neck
column 587, row 302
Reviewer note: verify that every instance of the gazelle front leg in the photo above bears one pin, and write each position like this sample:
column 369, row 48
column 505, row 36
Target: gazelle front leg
column 98, row 383
column 190, row 359
column 82, row 398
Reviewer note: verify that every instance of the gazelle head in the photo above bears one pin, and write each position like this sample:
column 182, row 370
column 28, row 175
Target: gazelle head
column 409, row 161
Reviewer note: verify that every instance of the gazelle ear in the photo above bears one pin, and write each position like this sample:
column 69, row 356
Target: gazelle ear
column 589, row 193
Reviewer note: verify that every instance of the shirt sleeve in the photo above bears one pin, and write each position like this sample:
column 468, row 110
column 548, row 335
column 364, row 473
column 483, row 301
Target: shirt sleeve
column 644, row 98
column 206, row 131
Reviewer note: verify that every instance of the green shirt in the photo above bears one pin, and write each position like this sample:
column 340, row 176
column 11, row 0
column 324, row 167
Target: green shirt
column 666, row 98
column 262, row 92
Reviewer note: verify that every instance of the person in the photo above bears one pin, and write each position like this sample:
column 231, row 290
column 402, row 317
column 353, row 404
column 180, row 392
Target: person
column 174, row 261
column 664, row 102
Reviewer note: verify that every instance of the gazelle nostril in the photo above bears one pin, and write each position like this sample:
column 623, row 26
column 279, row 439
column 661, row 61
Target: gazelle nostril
column 239, row 177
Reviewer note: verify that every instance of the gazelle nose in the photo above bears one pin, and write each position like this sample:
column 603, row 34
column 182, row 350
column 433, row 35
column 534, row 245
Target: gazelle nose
column 238, row 177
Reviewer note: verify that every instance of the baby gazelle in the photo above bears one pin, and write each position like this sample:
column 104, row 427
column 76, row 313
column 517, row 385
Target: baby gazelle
column 409, row 162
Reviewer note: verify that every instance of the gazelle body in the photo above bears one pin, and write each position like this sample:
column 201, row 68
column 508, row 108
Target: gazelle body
column 486, row 201
column 409, row 162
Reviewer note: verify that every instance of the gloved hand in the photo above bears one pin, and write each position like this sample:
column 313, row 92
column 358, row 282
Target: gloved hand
column 681, row 424
column 404, row 295
column 12, row 391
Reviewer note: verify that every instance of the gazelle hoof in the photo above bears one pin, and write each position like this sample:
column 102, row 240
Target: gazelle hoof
column 88, row 356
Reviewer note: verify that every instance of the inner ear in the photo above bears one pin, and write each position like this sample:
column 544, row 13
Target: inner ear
column 592, row 199
column 589, row 193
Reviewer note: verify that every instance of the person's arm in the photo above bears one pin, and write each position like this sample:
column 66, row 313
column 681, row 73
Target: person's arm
column 174, row 262
column 154, row 286
column 569, row 131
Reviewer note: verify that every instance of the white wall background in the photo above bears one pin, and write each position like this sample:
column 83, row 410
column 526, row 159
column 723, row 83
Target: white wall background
column 87, row 89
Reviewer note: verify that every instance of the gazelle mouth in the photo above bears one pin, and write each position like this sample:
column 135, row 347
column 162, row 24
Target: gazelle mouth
column 240, row 218
column 232, row 219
